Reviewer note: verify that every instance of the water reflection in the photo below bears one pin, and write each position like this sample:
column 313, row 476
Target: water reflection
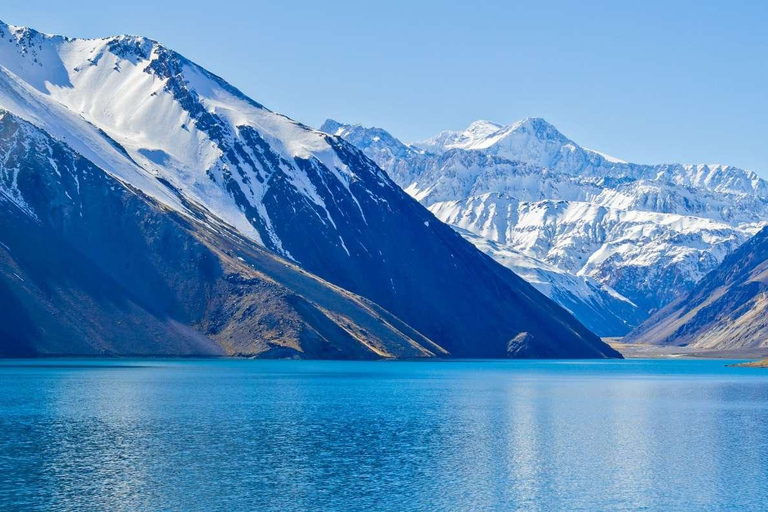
column 244, row 435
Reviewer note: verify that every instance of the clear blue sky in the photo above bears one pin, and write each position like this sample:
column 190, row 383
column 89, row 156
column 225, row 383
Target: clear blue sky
column 651, row 81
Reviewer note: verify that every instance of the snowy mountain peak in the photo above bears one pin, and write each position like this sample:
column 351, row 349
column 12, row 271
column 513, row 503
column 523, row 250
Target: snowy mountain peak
column 528, row 189
column 447, row 140
column 538, row 127
column 332, row 126
column 532, row 136
column 482, row 128
column 372, row 137
column 27, row 37
column 172, row 122
column 23, row 35
column 336, row 128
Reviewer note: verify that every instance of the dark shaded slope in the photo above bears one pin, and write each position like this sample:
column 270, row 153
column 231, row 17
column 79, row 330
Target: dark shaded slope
column 90, row 266
column 396, row 253
column 727, row 310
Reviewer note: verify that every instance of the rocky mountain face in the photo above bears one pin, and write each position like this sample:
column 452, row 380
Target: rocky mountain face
column 224, row 167
column 93, row 266
column 631, row 238
column 726, row 310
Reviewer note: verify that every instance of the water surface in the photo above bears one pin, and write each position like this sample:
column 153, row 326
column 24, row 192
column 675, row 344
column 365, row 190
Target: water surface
column 298, row 435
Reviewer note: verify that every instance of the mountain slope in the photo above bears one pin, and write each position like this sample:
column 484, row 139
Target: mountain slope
column 727, row 310
column 645, row 233
column 601, row 309
column 91, row 266
column 198, row 146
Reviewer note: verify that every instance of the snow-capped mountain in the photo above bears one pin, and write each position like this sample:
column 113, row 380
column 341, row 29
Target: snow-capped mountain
column 646, row 233
column 535, row 141
column 162, row 125
column 726, row 310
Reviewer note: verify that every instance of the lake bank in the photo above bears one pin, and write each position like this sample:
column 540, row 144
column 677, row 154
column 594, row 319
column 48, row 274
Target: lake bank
column 642, row 351
column 753, row 364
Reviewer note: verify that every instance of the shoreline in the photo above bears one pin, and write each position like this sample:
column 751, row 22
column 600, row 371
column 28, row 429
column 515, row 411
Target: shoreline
column 752, row 364
column 636, row 351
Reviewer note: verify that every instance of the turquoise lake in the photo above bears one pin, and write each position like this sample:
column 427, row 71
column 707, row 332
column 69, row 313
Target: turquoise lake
column 298, row 435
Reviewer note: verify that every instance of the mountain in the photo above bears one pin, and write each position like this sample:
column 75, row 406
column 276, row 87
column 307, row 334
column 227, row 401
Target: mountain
column 200, row 151
column 92, row 266
column 642, row 235
column 726, row 310
column 537, row 142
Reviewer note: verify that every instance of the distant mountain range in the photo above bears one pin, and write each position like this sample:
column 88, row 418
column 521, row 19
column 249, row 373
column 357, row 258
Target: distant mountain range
column 149, row 207
column 611, row 241
column 726, row 310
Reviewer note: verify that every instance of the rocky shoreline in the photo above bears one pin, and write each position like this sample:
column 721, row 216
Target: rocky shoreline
column 752, row 364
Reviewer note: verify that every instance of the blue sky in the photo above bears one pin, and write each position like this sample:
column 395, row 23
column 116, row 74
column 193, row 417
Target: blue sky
column 647, row 81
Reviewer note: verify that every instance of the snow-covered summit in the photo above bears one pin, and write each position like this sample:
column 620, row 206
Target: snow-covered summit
column 535, row 141
column 474, row 133
column 172, row 119
column 483, row 134
column 372, row 137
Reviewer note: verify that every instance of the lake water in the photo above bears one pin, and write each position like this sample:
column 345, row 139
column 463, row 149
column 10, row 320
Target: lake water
column 300, row 435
